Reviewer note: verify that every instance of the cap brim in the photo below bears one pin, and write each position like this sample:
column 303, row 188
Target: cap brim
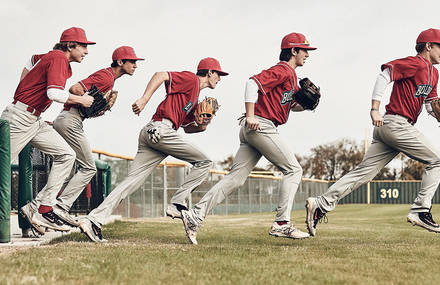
column 221, row 73
column 87, row 43
column 306, row 47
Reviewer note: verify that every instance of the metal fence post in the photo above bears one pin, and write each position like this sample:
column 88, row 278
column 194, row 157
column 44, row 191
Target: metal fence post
column 238, row 198
column 249, row 195
column 144, row 210
column 259, row 194
column 165, row 199
column 152, row 195
column 368, row 193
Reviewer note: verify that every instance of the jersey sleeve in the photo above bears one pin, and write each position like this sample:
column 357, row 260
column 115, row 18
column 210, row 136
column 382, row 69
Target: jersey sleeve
column 402, row 68
column 180, row 82
column 100, row 79
column 270, row 78
column 57, row 72
column 433, row 94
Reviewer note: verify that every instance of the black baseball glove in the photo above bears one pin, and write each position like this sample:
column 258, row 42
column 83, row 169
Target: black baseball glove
column 308, row 95
column 102, row 102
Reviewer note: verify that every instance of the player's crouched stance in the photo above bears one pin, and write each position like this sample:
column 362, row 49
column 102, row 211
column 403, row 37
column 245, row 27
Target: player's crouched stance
column 269, row 98
column 415, row 82
column 159, row 138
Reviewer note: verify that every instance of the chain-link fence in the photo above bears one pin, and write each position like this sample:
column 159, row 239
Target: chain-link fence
column 258, row 194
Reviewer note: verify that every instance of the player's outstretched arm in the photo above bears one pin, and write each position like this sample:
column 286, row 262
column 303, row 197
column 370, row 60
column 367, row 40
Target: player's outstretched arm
column 154, row 83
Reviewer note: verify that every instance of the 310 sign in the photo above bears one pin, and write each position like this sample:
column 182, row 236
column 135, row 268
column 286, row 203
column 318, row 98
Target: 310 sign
column 389, row 193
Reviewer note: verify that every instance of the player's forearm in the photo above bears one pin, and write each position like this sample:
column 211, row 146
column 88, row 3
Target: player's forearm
column 250, row 108
column 75, row 99
column 193, row 128
column 375, row 104
column 297, row 108
column 154, row 83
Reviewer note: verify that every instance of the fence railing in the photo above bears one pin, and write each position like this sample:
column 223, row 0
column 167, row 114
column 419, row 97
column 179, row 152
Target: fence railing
column 258, row 194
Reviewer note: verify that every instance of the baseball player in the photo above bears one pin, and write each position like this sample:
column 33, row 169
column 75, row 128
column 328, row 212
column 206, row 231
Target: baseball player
column 159, row 138
column 268, row 102
column 69, row 124
column 42, row 83
column 415, row 82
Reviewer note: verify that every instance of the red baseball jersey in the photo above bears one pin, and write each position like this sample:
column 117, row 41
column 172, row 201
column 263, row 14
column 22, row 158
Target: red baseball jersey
column 103, row 79
column 415, row 80
column 183, row 91
column 50, row 71
column 276, row 87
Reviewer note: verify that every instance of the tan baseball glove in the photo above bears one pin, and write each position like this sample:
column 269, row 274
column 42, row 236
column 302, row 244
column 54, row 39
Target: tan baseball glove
column 205, row 110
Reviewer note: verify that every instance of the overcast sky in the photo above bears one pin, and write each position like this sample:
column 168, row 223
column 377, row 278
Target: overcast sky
column 353, row 38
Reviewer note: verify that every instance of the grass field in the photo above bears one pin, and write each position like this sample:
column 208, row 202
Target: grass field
column 360, row 245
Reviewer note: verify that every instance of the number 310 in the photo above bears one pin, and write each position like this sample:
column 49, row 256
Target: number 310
column 389, row 193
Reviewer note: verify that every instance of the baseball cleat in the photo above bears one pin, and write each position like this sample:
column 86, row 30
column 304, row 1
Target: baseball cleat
column 28, row 212
column 313, row 215
column 287, row 231
column 191, row 226
column 65, row 217
column 174, row 211
column 50, row 220
column 424, row 220
column 92, row 231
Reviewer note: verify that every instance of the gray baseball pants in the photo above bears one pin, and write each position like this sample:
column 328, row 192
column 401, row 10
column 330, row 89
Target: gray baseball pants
column 395, row 136
column 28, row 128
column 148, row 156
column 69, row 124
column 254, row 144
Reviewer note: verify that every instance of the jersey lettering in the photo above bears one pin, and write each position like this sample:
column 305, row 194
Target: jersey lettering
column 423, row 90
column 287, row 97
column 188, row 107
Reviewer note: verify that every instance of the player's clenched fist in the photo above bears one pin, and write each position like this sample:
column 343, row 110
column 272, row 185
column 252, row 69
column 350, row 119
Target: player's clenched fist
column 138, row 106
column 87, row 100
column 253, row 123
column 376, row 117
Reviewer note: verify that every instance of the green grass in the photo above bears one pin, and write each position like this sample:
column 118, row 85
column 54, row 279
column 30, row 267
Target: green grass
column 360, row 245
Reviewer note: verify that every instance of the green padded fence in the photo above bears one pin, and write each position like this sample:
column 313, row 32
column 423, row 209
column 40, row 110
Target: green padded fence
column 5, row 182
column 24, row 183
column 106, row 176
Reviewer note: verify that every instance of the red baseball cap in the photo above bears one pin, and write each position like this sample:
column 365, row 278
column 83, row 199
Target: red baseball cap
column 125, row 52
column 429, row 36
column 75, row 34
column 210, row 63
column 296, row 40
